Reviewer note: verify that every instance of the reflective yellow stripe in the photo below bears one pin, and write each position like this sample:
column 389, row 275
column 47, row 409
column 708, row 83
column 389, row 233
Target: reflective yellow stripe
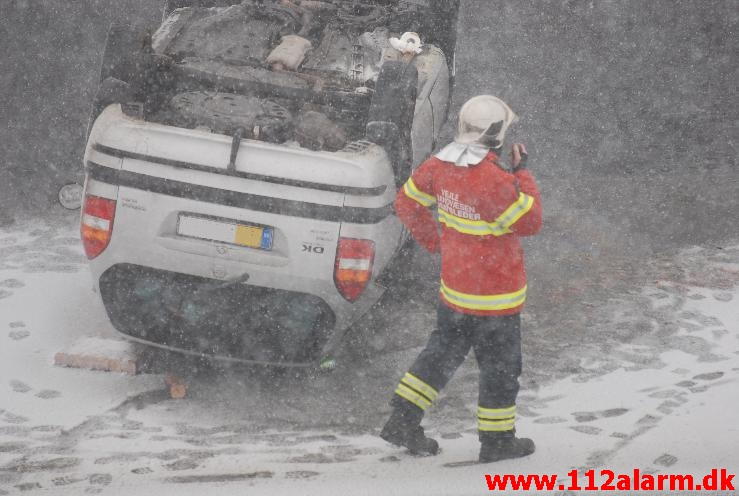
column 517, row 210
column 412, row 192
column 498, row 227
column 417, row 399
column 483, row 302
column 486, row 425
column 474, row 227
column 420, row 386
column 496, row 413
column 509, row 421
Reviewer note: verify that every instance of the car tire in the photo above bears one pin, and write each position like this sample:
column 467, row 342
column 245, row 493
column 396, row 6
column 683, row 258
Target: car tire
column 121, row 43
column 443, row 32
column 116, row 67
column 391, row 114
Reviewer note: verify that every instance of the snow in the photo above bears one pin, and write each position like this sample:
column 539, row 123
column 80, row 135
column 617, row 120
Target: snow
column 110, row 348
column 70, row 431
column 49, row 312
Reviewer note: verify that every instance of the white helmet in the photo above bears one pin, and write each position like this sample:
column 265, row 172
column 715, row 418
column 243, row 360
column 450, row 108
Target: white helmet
column 484, row 120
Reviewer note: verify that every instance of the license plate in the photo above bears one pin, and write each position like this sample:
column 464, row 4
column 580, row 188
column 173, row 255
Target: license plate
column 232, row 232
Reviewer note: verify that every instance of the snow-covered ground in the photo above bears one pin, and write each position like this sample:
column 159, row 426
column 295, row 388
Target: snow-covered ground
column 65, row 431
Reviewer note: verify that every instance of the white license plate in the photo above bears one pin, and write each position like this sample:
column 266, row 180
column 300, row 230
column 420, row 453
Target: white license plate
column 232, row 232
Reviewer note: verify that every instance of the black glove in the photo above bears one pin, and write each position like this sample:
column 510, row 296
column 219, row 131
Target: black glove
column 519, row 157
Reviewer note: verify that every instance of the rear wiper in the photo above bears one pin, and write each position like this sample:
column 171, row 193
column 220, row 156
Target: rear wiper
column 235, row 145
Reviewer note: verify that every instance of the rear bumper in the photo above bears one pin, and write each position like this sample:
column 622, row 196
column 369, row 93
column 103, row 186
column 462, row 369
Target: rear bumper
column 235, row 322
column 156, row 263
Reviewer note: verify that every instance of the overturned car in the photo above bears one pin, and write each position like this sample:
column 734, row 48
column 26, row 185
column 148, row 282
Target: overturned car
column 241, row 167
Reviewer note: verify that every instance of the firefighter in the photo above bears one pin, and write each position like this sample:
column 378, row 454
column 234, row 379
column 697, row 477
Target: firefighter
column 483, row 209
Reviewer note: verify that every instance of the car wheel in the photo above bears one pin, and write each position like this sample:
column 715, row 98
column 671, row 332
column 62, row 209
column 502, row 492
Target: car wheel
column 443, row 31
column 391, row 114
column 116, row 68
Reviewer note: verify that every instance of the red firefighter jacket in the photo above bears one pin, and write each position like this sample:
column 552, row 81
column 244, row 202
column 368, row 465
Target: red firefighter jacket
column 482, row 210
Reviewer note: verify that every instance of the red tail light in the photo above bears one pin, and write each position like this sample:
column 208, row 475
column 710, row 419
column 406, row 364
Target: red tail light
column 97, row 224
column 353, row 268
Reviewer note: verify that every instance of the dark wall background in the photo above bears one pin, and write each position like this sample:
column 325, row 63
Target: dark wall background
column 49, row 61
column 629, row 107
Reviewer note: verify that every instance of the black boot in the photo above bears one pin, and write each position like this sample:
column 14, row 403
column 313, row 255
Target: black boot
column 503, row 445
column 403, row 429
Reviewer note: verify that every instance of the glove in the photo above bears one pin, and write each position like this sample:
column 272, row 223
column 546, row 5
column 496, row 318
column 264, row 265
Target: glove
column 519, row 157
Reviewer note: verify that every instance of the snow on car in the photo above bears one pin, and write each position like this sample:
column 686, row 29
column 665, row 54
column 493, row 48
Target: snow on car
column 242, row 165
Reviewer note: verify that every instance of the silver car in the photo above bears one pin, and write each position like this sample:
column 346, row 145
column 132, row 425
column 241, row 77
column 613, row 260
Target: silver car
column 240, row 209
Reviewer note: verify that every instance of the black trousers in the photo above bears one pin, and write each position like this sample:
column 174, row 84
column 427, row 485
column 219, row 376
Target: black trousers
column 496, row 341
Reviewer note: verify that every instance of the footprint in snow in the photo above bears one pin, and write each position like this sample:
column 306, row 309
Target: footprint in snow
column 666, row 407
column 673, row 394
column 301, row 474
column 66, row 480
column 648, row 420
column 550, row 420
column 19, row 387
column 100, row 479
column 699, row 389
column 705, row 320
column 590, row 416
column 184, row 464
column 614, row 412
column 190, row 479
column 587, row 429
column 26, row 466
column 18, row 334
column 389, row 458
column 12, row 418
column 725, row 297
column 48, row 394
column 709, row 376
column 346, row 451
column 47, row 428
column 14, row 430
column 666, row 460
column 585, row 416
column 28, row 486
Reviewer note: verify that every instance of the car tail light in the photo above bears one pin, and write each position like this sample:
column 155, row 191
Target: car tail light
column 353, row 267
column 97, row 224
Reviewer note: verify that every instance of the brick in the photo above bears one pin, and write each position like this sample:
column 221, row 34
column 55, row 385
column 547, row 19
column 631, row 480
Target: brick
column 96, row 362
